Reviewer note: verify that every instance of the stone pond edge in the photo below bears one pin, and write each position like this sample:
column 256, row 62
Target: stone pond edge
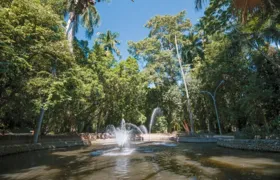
column 265, row 145
column 244, row 144
column 19, row 148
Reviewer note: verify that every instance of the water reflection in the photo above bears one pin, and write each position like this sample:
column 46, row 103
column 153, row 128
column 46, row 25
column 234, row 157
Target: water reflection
column 165, row 144
column 122, row 167
column 148, row 161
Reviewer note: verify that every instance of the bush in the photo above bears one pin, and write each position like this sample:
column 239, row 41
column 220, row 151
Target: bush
column 275, row 126
column 257, row 132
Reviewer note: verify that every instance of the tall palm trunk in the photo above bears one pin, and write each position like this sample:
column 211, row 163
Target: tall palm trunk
column 70, row 30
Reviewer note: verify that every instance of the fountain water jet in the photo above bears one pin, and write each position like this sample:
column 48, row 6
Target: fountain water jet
column 156, row 111
column 143, row 129
column 123, row 133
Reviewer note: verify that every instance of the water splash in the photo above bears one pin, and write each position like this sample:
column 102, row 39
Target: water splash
column 123, row 133
column 143, row 129
column 138, row 129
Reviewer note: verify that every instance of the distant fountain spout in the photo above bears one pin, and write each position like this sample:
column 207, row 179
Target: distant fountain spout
column 156, row 111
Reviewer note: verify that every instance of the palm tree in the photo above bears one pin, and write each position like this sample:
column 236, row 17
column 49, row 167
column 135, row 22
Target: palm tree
column 84, row 12
column 109, row 41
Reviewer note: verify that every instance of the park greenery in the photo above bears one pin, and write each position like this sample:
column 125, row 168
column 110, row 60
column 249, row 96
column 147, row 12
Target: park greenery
column 83, row 89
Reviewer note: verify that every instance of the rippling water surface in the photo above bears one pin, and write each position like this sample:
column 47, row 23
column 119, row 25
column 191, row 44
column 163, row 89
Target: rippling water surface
column 141, row 162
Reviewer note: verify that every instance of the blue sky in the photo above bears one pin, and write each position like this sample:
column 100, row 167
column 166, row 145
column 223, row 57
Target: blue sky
column 128, row 18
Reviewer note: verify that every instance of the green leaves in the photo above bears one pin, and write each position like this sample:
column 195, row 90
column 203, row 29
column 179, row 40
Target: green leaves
column 162, row 68
column 164, row 29
column 90, row 18
column 34, row 46
column 158, row 50
column 109, row 42
column 90, row 89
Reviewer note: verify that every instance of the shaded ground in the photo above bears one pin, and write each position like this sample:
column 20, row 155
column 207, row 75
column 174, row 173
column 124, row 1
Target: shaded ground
column 149, row 161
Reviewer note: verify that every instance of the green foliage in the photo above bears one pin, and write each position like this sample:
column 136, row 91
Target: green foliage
column 88, row 89
column 78, row 93
column 160, row 125
column 275, row 125
column 109, row 42
column 32, row 44
column 162, row 67
column 241, row 55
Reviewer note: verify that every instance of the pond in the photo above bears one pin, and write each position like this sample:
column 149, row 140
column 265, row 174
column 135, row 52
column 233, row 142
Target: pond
column 141, row 162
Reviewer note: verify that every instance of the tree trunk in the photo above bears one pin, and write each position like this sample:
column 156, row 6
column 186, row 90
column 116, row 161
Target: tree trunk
column 207, row 119
column 186, row 88
column 70, row 30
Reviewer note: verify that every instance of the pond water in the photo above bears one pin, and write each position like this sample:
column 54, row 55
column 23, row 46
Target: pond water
column 141, row 162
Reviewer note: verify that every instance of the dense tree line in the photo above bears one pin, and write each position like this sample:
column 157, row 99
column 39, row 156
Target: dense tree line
column 234, row 43
column 80, row 91
column 83, row 89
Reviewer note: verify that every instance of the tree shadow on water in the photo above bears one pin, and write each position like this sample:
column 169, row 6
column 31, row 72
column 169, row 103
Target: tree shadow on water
column 52, row 164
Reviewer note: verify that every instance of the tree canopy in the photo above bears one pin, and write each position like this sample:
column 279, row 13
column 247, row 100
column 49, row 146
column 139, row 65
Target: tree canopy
column 84, row 89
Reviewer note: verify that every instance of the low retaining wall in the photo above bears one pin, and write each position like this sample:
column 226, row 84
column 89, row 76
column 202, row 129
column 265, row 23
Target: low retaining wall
column 210, row 139
column 13, row 149
column 250, row 144
column 28, row 138
column 196, row 140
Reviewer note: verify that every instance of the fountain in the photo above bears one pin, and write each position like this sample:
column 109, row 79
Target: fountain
column 123, row 133
column 156, row 111
column 122, row 137
column 143, row 129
